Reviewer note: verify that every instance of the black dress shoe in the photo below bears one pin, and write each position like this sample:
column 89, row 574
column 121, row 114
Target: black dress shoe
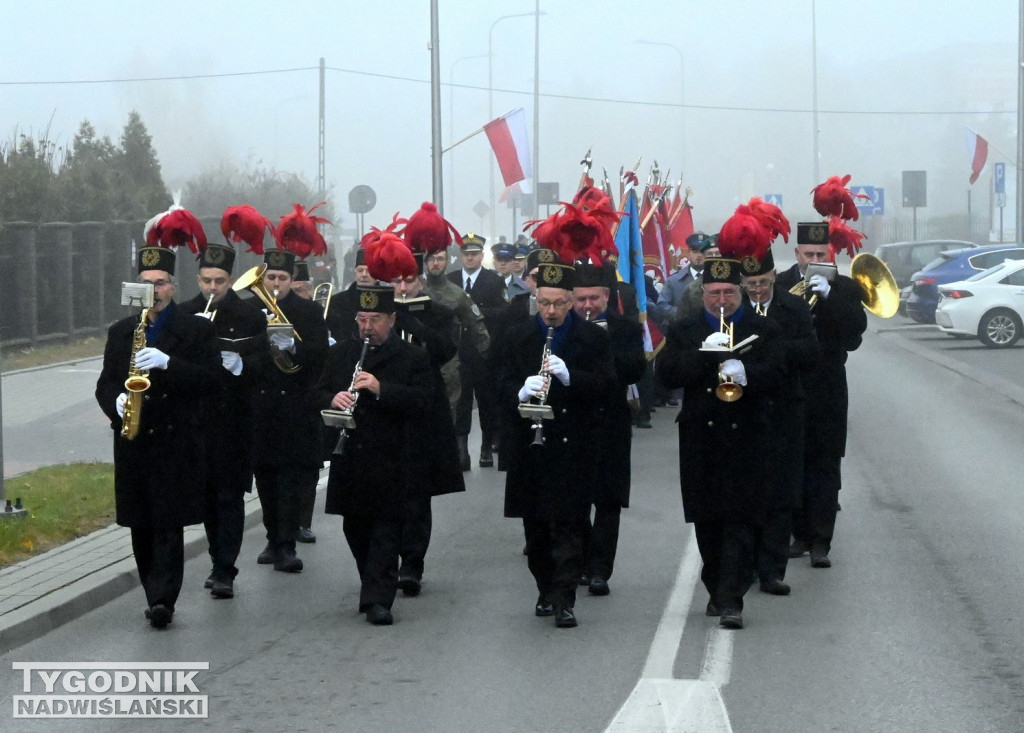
column 266, row 557
column 645, row 423
column 209, row 581
column 486, row 459
column 819, row 558
column 565, row 618
column 775, row 587
column 305, row 536
column 712, row 609
column 732, row 618
column 599, row 587
column 160, row 615
column 223, row 588
column 410, row 585
column 543, row 607
column 287, row 561
column 378, row 615
column 798, row 548
column 584, row 580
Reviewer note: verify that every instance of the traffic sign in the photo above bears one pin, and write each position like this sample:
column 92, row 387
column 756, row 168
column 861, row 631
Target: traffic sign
column 361, row 199
column 773, row 198
column 1000, row 172
column 864, row 197
column 879, row 202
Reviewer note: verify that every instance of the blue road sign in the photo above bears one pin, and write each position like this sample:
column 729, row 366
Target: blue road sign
column 864, row 197
column 773, row 198
column 879, row 202
column 1000, row 171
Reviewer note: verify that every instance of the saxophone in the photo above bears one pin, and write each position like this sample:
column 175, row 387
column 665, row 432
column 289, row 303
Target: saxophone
column 136, row 383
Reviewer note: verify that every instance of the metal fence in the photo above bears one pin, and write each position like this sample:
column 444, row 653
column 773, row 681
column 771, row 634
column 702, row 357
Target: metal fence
column 60, row 281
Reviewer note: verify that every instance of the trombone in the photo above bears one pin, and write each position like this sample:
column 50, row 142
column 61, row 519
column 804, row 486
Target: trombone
column 322, row 296
column 253, row 280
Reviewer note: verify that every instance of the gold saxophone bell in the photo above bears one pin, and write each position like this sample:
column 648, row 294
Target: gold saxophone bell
column 252, row 279
column 135, row 384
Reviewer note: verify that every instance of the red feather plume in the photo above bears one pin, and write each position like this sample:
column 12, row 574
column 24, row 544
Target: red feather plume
column 576, row 234
column 427, row 231
column 297, row 232
column 743, row 235
column 771, row 218
column 389, row 258
column 592, row 199
column 842, row 237
column 832, row 198
column 244, row 223
column 177, row 227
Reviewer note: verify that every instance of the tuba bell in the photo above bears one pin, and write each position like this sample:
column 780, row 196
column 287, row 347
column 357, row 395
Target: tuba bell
column 879, row 292
column 252, row 279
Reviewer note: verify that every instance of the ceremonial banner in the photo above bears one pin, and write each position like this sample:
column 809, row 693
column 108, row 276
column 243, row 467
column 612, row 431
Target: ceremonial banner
column 978, row 149
column 511, row 146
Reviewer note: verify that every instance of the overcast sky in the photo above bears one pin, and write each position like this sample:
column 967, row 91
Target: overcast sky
column 726, row 103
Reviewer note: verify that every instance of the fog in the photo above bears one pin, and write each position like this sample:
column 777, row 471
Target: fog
column 720, row 92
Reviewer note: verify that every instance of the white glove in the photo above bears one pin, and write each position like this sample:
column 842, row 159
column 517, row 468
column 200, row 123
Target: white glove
column 119, row 405
column 659, row 286
column 232, row 361
column 208, row 315
column 820, row 285
column 331, row 341
column 531, row 387
column 150, row 358
column 716, row 340
column 283, row 341
column 734, row 371
column 558, row 369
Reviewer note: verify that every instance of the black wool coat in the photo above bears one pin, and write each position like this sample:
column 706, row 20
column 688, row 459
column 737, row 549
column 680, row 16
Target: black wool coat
column 627, row 344
column 801, row 352
column 839, row 323
column 381, row 467
column 286, row 420
column 554, row 481
column 228, row 422
column 159, row 476
column 723, row 461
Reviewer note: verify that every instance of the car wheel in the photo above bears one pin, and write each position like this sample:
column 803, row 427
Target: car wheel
column 999, row 328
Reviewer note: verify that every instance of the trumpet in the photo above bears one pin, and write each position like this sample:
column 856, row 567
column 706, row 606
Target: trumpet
column 253, row 280
column 539, row 412
column 345, row 419
column 207, row 313
column 727, row 390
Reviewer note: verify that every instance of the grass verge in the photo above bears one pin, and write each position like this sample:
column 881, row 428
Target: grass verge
column 23, row 358
column 63, row 503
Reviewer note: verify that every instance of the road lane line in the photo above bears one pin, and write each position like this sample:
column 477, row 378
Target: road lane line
column 717, row 664
column 661, row 704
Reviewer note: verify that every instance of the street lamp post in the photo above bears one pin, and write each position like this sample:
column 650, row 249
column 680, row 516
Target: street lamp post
column 451, row 117
column 490, row 96
column 682, row 89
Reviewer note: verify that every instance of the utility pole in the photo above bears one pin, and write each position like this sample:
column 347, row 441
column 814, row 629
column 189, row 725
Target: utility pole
column 435, row 110
column 1019, row 219
column 321, row 178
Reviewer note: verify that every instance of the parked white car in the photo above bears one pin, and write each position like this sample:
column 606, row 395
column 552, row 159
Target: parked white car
column 989, row 305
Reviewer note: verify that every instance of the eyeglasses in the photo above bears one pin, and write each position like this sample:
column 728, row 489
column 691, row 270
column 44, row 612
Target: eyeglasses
column 158, row 283
column 712, row 294
column 371, row 320
column 758, row 285
column 557, row 304
column 438, row 258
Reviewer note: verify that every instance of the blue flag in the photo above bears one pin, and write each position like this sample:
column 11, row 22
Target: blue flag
column 631, row 250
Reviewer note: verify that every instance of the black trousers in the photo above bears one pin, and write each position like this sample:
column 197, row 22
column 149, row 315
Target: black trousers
column 727, row 549
column 555, row 557
column 815, row 522
column 474, row 378
column 415, row 536
column 307, row 501
column 160, row 558
column 375, row 546
column 600, row 537
column 280, row 489
column 225, row 521
column 773, row 545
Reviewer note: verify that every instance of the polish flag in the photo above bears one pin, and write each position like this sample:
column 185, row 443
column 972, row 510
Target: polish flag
column 977, row 146
column 507, row 135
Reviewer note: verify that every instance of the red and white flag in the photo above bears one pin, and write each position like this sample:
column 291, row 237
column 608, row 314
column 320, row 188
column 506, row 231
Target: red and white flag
column 508, row 138
column 977, row 146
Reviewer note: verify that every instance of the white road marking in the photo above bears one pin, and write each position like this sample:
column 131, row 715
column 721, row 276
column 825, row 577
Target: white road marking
column 661, row 704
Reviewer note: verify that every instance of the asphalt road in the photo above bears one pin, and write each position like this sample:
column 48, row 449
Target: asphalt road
column 916, row 627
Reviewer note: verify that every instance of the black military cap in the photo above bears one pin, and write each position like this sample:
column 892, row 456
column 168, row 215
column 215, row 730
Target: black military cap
column 473, row 243
column 540, row 256
column 301, row 273
column 556, row 276
column 812, row 232
column 360, row 257
column 280, row 259
column 376, row 299
column 698, row 240
column 752, row 268
column 217, row 255
column 721, row 270
column 156, row 258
